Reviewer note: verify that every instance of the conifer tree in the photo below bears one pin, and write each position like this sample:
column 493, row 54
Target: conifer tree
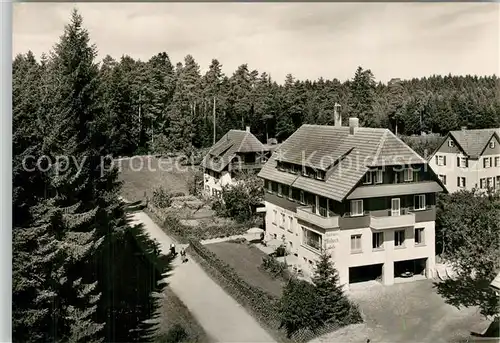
column 184, row 108
column 68, row 219
column 335, row 306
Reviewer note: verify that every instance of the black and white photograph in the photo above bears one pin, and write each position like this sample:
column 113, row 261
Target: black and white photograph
column 255, row 172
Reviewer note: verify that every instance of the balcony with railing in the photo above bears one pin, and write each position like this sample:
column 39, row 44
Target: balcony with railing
column 322, row 218
column 391, row 220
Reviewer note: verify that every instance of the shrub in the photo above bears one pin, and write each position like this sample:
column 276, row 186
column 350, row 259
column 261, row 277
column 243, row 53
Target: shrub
column 178, row 194
column 219, row 208
column 280, row 251
column 176, row 334
column 172, row 226
column 195, row 184
column 299, row 306
column 240, row 200
column 141, row 151
column 161, row 198
column 239, row 240
column 276, row 268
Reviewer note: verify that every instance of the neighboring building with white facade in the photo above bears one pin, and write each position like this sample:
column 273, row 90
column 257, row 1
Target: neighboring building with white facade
column 235, row 152
column 468, row 159
column 361, row 194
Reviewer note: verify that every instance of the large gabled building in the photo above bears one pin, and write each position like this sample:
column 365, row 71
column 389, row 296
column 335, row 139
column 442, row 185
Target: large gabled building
column 236, row 152
column 359, row 193
column 468, row 159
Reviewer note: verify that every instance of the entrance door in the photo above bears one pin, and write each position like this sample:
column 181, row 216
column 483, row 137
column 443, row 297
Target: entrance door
column 395, row 207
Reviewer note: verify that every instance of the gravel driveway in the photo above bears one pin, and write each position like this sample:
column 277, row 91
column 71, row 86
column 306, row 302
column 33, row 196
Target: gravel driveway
column 411, row 312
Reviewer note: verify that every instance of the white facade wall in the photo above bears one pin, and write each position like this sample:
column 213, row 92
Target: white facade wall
column 473, row 173
column 338, row 243
column 210, row 182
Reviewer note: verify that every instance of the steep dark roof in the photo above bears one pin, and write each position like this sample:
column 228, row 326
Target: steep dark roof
column 235, row 141
column 473, row 142
column 345, row 157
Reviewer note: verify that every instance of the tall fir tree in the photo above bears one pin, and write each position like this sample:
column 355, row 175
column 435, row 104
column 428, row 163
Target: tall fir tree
column 68, row 282
column 184, row 106
column 362, row 89
column 335, row 306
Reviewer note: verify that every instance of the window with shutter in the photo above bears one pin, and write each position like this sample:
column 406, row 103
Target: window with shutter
column 444, row 160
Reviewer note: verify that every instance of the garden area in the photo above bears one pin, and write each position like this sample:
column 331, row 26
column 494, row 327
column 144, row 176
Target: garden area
column 291, row 310
column 247, row 261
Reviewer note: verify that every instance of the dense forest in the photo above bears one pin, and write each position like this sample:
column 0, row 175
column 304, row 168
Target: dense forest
column 160, row 105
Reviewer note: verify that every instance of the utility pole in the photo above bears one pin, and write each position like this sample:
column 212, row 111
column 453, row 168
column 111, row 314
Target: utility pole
column 214, row 119
column 140, row 118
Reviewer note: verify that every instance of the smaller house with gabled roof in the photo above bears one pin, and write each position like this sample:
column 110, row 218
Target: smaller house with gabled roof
column 236, row 152
column 468, row 159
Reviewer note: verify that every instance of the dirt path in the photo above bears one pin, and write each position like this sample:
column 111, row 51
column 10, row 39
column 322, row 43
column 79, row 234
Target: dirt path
column 219, row 314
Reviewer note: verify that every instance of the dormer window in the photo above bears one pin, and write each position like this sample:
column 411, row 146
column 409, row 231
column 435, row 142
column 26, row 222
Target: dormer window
column 451, row 144
column 294, row 169
column 492, row 145
column 368, row 178
column 408, row 174
column 320, row 175
column 305, row 172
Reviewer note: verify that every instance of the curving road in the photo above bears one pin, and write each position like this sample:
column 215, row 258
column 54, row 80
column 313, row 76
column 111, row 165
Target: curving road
column 219, row 314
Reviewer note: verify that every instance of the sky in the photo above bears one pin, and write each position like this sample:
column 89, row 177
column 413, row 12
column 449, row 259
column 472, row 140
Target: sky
column 308, row 40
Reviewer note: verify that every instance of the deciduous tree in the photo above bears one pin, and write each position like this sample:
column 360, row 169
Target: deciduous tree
column 469, row 225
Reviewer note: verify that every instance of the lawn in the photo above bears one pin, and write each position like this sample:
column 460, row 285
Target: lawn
column 142, row 174
column 246, row 259
column 173, row 311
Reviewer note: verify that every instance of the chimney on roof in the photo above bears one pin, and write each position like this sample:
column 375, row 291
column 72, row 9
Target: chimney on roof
column 337, row 119
column 248, row 128
column 353, row 125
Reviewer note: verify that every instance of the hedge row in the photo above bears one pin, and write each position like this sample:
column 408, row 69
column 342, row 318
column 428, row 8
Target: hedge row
column 174, row 227
column 262, row 305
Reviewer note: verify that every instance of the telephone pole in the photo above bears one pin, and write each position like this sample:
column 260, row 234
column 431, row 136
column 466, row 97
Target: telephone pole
column 140, row 118
column 214, row 118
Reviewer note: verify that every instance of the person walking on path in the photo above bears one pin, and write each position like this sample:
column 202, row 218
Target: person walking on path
column 172, row 249
column 183, row 255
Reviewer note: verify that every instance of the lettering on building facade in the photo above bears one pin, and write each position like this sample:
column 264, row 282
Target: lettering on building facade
column 331, row 239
